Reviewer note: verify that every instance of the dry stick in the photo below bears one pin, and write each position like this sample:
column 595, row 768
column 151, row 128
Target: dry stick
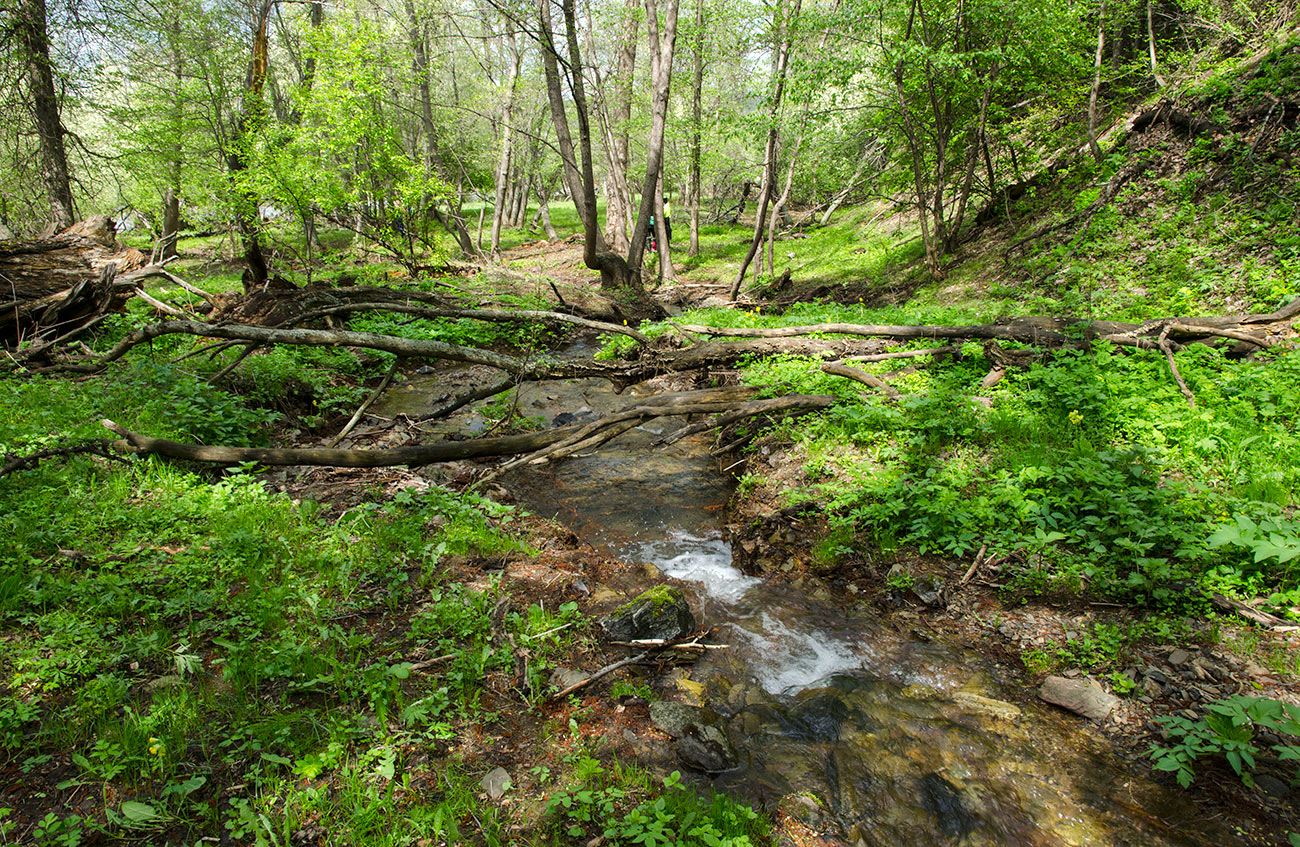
column 472, row 314
column 428, row 663
column 455, row 403
column 1184, row 329
column 790, row 402
column 206, row 348
column 858, row 375
column 684, row 403
column 1262, row 618
column 979, row 560
column 228, row 369
column 1173, row 366
column 558, row 295
column 159, row 270
column 993, row 377
column 160, row 305
column 361, row 410
column 605, row 671
column 28, row 354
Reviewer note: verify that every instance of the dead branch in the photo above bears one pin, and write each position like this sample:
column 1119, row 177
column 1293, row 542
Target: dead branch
column 859, row 375
column 101, row 447
column 494, row 315
column 682, row 403
column 361, row 410
column 1230, row 604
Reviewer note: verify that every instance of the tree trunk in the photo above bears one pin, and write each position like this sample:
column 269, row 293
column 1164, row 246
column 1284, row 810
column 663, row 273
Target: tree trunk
column 1151, row 46
column 574, row 175
column 697, row 87
column 662, row 45
column 769, row 153
column 33, row 38
column 1096, row 84
column 247, row 126
column 501, row 211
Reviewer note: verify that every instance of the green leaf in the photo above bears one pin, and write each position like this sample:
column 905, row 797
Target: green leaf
column 138, row 812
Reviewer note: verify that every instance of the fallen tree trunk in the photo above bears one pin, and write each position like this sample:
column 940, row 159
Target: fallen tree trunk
column 1254, row 330
column 651, row 363
column 52, row 286
column 732, row 399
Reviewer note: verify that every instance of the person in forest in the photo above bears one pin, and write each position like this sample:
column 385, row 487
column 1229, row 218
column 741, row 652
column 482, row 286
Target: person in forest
column 650, row 234
column 668, row 218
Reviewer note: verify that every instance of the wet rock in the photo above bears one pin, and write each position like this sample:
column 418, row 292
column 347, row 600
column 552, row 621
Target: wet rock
column 425, row 370
column 817, row 719
column 706, row 748
column 804, row 806
column 981, row 705
column 943, row 800
column 496, row 783
column 659, row 613
column 1081, row 696
column 698, row 739
column 562, row 678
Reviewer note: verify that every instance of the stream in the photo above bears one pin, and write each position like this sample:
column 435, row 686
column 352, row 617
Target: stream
column 878, row 735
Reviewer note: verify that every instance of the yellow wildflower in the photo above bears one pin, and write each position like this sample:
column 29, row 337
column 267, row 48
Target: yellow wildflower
column 1076, row 417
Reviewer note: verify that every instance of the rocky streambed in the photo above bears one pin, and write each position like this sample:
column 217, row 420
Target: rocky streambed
column 867, row 731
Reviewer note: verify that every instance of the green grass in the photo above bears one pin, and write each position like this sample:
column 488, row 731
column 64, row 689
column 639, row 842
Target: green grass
column 200, row 656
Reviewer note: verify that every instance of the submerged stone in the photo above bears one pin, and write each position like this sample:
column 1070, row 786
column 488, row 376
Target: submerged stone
column 942, row 799
column 661, row 613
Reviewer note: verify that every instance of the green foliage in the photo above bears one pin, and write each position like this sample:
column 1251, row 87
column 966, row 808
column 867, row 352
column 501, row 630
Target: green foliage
column 1229, row 729
column 677, row 817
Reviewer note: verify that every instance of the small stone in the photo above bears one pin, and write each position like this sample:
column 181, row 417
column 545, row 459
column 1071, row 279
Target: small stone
column 1072, row 673
column 1083, row 697
column 1150, row 688
column 1179, row 657
column 496, row 783
column 706, row 748
column 1155, row 674
column 852, row 588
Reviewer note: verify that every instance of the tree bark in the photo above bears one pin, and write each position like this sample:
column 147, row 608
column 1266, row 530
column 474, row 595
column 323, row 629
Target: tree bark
column 32, row 33
column 1151, row 46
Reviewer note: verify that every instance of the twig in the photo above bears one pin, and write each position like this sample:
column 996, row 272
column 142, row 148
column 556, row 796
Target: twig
column 1163, row 343
column 979, row 560
column 248, row 350
column 165, row 308
column 361, row 410
column 605, row 671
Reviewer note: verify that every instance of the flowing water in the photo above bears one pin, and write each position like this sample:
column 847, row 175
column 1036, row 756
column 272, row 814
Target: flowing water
column 881, row 736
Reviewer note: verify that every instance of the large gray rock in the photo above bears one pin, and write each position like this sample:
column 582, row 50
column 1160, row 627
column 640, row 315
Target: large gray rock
column 1082, row 696
column 698, row 738
column 659, row 613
